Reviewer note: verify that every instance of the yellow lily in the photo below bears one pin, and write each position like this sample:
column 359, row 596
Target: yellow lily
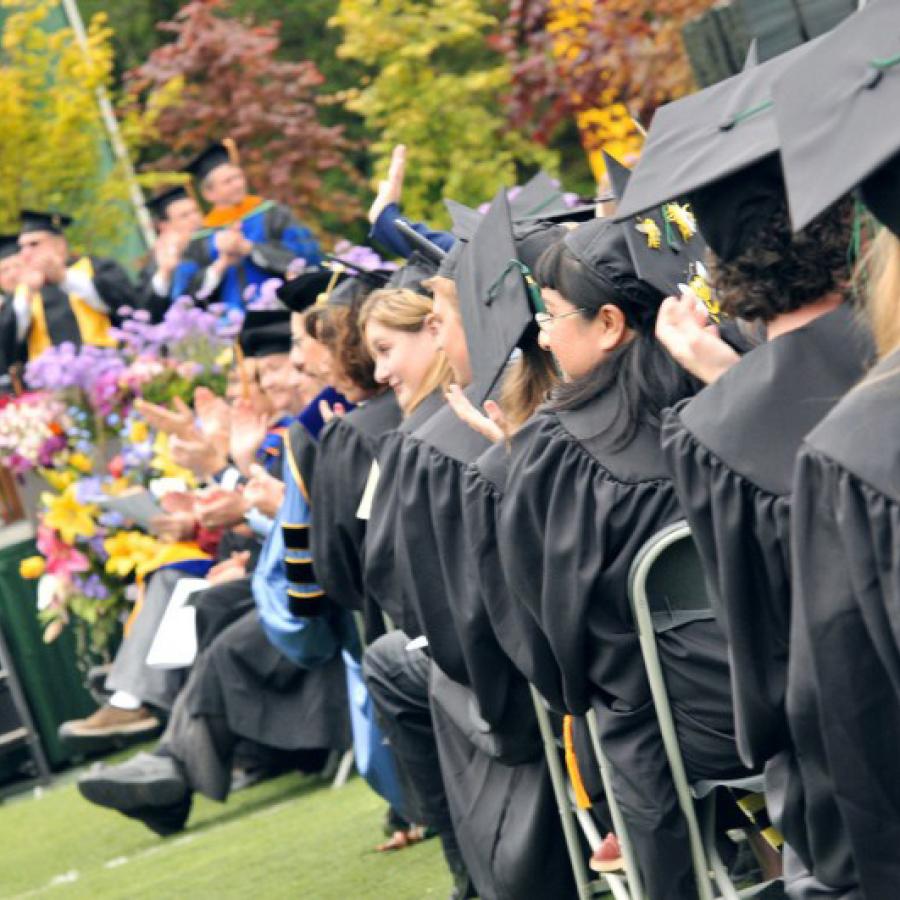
column 32, row 567
column 67, row 516
column 128, row 550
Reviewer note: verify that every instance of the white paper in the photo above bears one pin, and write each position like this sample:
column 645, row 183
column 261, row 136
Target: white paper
column 175, row 643
column 136, row 506
column 365, row 504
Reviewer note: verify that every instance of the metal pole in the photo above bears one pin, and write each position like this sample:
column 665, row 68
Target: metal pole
column 70, row 7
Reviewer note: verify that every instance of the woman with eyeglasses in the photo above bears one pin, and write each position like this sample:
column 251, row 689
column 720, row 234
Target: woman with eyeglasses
column 587, row 486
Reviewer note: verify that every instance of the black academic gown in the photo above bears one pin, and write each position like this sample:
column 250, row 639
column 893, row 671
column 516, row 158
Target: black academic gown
column 148, row 299
column 498, row 790
column 845, row 631
column 12, row 352
column 381, row 586
column 732, row 451
column 263, row 696
column 114, row 287
column 347, row 448
column 575, row 513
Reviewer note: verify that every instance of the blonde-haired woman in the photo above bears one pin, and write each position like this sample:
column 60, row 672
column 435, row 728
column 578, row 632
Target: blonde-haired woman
column 845, row 629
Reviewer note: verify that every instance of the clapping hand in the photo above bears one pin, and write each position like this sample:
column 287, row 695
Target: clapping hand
column 494, row 426
column 264, row 491
column 249, row 427
column 221, row 509
column 178, row 421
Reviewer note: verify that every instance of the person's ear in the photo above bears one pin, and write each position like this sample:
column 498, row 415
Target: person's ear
column 431, row 326
column 612, row 329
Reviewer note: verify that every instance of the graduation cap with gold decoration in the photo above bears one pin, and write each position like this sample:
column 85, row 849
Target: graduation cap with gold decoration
column 664, row 242
column 55, row 222
column 718, row 150
column 836, row 108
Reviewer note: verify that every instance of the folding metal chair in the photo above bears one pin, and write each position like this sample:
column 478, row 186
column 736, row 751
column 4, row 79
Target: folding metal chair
column 666, row 588
column 622, row 888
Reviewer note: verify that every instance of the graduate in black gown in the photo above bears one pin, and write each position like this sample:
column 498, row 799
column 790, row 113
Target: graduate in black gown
column 587, row 486
column 60, row 298
column 732, row 449
column 12, row 350
column 176, row 216
column 844, row 649
column 495, row 773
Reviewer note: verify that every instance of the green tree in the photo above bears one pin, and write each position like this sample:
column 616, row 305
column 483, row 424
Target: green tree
column 434, row 83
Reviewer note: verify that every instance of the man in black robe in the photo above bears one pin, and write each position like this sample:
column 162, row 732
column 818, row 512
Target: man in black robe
column 11, row 350
column 176, row 216
column 62, row 299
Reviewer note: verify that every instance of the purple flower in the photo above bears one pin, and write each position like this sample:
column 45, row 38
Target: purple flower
column 88, row 490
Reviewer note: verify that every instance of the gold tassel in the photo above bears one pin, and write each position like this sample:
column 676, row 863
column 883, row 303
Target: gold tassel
column 234, row 157
column 581, row 794
column 651, row 231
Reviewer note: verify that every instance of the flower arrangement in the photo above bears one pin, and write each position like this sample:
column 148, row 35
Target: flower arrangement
column 79, row 431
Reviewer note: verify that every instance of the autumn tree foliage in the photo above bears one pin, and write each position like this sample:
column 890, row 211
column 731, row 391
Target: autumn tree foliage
column 433, row 82
column 232, row 85
column 570, row 56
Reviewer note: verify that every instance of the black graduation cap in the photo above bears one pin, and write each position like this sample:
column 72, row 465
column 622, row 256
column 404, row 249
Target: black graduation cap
column 580, row 212
column 539, row 193
column 602, row 248
column 265, row 332
column 418, row 268
column 836, row 109
column 699, row 141
column 9, row 245
column 31, row 220
column 159, row 205
column 216, row 154
column 465, row 219
column 493, row 297
column 663, row 241
column 419, row 242
column 300, row 293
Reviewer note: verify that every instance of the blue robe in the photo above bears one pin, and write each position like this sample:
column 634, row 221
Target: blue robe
column 278, row 239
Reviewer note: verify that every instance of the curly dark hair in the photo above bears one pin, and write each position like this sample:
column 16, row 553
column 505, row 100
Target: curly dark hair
column 783, row 271
column 337, row 327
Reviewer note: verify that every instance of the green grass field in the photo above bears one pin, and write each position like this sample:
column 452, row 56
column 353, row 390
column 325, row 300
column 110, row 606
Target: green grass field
column 290, row 837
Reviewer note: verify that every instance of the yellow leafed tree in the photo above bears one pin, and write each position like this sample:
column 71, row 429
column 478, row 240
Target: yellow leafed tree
column 53, row 146
column 436, row 85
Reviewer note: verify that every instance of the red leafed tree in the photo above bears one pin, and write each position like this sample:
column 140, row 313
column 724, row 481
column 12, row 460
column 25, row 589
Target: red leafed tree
column 233, row 86
column 573, row 55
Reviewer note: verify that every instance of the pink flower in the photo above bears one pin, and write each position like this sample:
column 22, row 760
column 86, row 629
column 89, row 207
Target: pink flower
column 62, row 560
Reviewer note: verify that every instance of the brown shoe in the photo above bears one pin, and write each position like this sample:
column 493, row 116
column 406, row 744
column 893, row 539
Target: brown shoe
column 110, row 721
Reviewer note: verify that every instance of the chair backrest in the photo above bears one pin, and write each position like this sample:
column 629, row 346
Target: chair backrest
column 669, row 573
column 666, row 588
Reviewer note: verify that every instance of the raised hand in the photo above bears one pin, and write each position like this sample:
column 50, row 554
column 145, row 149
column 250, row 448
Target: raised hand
column 683, row 328
column 391, row 189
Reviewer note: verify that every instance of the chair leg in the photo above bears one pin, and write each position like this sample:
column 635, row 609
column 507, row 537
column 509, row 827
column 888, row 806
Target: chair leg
column 344, row 768
column 707, row 811
column 567, row 819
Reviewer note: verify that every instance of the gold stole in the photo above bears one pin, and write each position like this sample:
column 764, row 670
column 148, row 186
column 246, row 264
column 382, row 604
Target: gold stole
column 93, row 325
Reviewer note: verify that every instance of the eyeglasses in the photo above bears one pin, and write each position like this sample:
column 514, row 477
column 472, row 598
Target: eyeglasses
column 545, row 321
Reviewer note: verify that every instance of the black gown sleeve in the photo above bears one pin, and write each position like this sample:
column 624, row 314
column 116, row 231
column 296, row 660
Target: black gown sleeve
column 844, row 676
column 156, row 304
column 114, row 285
column 741, row 533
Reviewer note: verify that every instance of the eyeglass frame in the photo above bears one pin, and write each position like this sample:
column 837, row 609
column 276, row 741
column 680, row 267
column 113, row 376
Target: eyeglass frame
column 545, row 321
